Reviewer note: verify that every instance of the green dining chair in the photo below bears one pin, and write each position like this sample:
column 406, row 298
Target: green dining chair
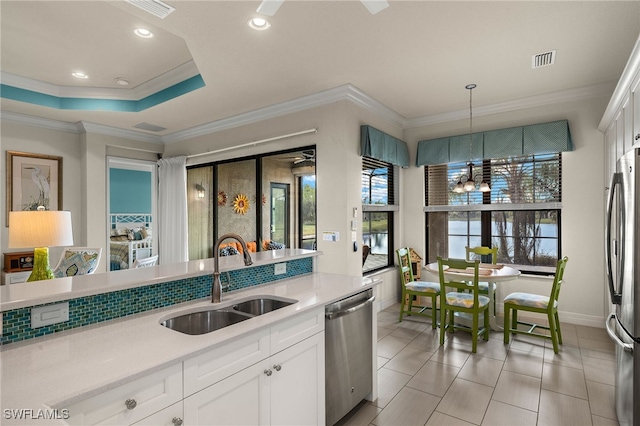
column 465, row 298
column 473, row 253
column 539, row 304
column 412, row 289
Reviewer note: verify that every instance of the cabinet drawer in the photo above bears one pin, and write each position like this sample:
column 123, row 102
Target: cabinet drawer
column 217, row 364
column 294, row 330
column 170, row 416
column 151, row 394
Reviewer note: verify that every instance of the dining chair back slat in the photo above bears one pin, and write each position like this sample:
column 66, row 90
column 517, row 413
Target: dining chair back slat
column 466, row 299
column 413, row 290
column 539, row 304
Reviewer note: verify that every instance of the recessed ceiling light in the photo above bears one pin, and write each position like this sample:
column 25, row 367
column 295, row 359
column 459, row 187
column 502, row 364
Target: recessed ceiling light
column 259, row 24
column 143, row 32
column 79, row 74
column 122, row 82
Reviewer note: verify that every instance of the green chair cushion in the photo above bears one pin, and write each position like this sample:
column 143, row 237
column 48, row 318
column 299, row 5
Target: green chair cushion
column 424, row 286
column 465, row 300
column 529, row 300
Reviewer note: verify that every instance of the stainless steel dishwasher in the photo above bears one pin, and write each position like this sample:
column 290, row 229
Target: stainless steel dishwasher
column 348, row 354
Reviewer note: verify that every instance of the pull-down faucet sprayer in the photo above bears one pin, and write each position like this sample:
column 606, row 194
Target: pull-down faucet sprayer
column 216, row 287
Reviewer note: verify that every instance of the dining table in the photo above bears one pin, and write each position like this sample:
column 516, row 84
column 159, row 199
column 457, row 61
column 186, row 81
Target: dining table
column 487, row 272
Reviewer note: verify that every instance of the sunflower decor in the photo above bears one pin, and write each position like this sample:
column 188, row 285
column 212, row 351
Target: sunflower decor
column 241, row 204
column 222, row 198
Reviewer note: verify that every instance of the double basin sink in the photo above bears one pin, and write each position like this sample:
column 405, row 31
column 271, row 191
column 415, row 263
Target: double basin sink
column 212, row 319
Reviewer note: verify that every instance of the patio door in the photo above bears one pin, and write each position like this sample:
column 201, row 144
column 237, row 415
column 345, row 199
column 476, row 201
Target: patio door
column 280, row 213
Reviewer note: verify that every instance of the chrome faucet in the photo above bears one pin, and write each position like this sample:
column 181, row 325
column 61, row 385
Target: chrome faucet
column 216, row 287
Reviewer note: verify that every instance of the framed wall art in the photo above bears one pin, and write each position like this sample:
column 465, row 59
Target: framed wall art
column 33, row 180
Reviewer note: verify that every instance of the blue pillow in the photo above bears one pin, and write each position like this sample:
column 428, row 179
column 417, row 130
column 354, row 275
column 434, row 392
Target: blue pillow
column 274, row 245
column 228, row 251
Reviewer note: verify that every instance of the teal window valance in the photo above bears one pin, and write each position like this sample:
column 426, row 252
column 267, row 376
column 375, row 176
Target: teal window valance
column 543, row 138
column 384, row 147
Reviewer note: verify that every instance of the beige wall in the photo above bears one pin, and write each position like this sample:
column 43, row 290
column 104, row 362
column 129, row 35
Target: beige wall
column 582, row 298
column 338, row 185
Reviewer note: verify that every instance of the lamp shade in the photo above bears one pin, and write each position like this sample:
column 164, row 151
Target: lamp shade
column 40, row 229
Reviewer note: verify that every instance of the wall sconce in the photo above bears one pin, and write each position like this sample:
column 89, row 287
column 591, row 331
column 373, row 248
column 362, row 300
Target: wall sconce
column 200, row 191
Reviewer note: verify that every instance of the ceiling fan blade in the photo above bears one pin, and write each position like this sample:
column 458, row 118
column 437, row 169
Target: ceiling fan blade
column 375, row 6
column 269, row 7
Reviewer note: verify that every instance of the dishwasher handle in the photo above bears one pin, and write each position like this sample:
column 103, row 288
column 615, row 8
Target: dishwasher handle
column 350, row 310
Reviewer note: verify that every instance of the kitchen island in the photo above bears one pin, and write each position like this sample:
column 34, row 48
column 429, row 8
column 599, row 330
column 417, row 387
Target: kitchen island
column 87, row 367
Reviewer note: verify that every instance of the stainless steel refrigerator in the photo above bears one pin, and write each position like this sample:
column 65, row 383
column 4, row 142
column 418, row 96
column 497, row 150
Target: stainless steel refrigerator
column 623, row 273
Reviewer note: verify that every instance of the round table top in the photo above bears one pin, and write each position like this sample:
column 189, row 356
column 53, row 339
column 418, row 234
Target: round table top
column 492, row 274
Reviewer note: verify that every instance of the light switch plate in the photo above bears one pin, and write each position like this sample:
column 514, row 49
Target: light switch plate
column 280, row 268
column 49, row 314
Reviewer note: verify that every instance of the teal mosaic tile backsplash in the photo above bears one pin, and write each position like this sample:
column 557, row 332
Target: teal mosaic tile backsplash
column 16, row 323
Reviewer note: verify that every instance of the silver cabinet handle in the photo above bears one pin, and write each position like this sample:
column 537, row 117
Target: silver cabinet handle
column 277, row 367
column 177, row 421
column 131, row 404
column 268, row 372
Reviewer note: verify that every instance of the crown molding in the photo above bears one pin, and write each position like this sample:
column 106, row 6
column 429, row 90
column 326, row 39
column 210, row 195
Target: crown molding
column 345, row 92
column 569, row 95
column 141, row 91
column 622, row 88
column 87, row 127
column 43, row 123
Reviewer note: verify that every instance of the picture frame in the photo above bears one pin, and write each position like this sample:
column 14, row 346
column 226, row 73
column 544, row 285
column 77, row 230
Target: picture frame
column 33, row 180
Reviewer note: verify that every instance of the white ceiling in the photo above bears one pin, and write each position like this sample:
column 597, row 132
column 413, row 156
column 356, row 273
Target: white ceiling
column 415, row 57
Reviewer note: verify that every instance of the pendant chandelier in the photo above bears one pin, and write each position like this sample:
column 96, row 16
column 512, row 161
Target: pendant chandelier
column 470, row 184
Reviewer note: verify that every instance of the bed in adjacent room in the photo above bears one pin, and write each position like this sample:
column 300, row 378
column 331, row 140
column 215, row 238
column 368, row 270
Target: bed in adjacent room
column 130, row 239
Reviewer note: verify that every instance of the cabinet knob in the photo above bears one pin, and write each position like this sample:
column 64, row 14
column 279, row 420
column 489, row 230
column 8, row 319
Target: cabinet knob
column 177, row 421
column 638, row 136
column 131, row 404
column 277, row 367
column 268, row 372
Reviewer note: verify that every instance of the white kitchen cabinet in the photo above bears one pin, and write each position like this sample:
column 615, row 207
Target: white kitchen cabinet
column 170, row 416
column 131, row 402
column 297, row 384
column 635, row 94
column 285, row 387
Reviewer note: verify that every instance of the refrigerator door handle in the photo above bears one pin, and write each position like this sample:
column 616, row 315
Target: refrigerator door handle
column 616, row 297
column 628, row 347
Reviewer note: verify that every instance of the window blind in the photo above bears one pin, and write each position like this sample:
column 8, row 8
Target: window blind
column 523, row 182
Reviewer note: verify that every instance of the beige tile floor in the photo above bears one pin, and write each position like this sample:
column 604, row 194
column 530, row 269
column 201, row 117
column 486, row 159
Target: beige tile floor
column 523, row 383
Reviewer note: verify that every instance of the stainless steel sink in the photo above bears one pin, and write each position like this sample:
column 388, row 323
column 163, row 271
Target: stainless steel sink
column 204, row 321
column 261, row 306
column 208, row 320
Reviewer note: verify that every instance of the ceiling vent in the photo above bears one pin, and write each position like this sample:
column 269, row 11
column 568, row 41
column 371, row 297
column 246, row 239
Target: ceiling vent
column 543, row 59
column 154, row 7
column 149, row 127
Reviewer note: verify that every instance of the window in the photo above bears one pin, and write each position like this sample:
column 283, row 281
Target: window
column 378, row 204
column 521, row 215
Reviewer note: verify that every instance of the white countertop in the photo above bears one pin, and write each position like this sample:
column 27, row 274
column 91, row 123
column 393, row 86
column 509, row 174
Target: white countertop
column 58, row 370
column 16, row 296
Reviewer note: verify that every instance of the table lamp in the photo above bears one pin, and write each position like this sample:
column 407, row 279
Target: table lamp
column 40, row 229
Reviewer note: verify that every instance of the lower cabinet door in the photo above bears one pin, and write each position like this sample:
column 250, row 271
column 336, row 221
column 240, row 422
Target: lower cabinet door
column 297, row 384
column 241, row 399
column 170, row 416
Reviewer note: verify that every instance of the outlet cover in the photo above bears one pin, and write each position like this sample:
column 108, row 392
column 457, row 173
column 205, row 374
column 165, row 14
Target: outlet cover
column 280, row 268
column 49, row 314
